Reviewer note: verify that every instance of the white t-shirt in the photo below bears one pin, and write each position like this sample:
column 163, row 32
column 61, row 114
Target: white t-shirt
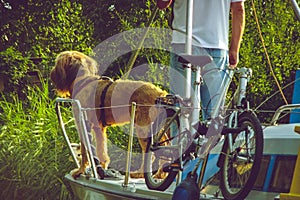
column 210, row 23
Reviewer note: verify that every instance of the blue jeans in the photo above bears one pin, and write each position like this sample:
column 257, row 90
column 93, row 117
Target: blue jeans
column 212, row 75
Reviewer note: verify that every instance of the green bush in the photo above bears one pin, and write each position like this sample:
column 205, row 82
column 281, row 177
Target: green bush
column 13, row 67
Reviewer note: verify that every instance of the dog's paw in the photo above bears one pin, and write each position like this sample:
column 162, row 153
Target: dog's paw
column 77, row 172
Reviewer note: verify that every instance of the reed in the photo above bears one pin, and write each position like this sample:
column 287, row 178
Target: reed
column 33, row 154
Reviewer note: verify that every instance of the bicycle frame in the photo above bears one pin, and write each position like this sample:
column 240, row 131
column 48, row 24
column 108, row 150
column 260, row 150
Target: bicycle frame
column 239, row 97
column 239, row 105
column 187, row 122
column 187, row 132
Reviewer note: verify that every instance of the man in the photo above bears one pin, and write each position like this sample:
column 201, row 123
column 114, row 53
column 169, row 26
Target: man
column 210, row 36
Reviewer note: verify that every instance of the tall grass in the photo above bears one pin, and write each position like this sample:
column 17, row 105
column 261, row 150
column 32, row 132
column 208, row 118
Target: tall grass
column 33, row 155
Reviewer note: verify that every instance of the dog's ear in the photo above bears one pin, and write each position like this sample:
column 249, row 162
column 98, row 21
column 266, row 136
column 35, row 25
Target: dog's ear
column 89, row 65
column 68, row 66
column 58, row 72
column 65, row 71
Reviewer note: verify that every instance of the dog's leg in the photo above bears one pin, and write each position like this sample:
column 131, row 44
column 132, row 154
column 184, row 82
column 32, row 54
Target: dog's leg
column 84, row 163
column 101, row 146
column 142, row 138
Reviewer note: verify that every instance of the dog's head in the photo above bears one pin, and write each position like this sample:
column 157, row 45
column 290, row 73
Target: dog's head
column 70, row 65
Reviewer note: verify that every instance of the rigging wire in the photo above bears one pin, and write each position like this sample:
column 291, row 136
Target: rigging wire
column 267, row 99
column 266, row 52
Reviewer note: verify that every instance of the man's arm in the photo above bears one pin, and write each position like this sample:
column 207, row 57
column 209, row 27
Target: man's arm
column 238, row 25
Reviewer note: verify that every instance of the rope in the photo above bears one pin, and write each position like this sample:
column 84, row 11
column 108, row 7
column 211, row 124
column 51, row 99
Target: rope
column 275, row 93
column 128, row 105
column 267, row 55
column 133, row 56
column 159, row 106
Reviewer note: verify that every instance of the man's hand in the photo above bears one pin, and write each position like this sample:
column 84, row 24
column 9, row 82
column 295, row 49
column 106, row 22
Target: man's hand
column 162, row 4
column 233, row 59
column 238, row 26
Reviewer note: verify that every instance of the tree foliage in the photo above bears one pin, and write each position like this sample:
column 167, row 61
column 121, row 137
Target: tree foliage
column 13, row 67
column 280, row 32
column 41, row 29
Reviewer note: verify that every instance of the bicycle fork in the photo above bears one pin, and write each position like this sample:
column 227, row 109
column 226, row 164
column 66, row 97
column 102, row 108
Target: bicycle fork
column 239, row 102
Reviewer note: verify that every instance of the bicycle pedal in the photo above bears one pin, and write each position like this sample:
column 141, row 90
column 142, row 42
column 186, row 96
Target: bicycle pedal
column 201, row 129
column 169, row 100
column 172, row 167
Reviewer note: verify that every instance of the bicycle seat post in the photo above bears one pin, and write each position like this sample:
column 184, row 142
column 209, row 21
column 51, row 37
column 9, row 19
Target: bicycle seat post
column 195, row 63
column 196, row 99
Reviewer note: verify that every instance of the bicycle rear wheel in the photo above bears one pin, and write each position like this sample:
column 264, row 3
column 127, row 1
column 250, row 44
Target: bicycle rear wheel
column 161, row 156
column 240, row 167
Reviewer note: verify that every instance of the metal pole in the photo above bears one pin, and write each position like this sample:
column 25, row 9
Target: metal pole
column 189, row 26
column 130, row 141
column 82, row 120
column 184, row 121
column 188, row 45
column 202, row 172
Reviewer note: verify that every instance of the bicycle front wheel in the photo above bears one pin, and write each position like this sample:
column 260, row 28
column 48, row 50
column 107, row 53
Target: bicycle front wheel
column 161, row 155
column 241, row 165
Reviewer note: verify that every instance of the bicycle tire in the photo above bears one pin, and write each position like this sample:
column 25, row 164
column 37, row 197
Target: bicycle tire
column 152, row 166
column 237, row 177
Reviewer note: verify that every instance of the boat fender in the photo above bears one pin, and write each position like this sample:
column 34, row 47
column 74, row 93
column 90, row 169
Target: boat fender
column 187, row 189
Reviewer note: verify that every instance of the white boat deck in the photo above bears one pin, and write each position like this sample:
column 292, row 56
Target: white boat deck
column 109, row 189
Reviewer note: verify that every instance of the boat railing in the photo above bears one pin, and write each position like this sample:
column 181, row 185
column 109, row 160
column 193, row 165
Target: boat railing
column 82, row 128
column 62, row 125
column 282, row 109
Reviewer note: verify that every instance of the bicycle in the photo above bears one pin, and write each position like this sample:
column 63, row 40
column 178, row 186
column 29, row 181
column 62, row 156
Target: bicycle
column 242, row 149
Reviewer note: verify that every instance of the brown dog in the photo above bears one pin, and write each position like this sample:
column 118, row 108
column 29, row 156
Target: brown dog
column 74, row 75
